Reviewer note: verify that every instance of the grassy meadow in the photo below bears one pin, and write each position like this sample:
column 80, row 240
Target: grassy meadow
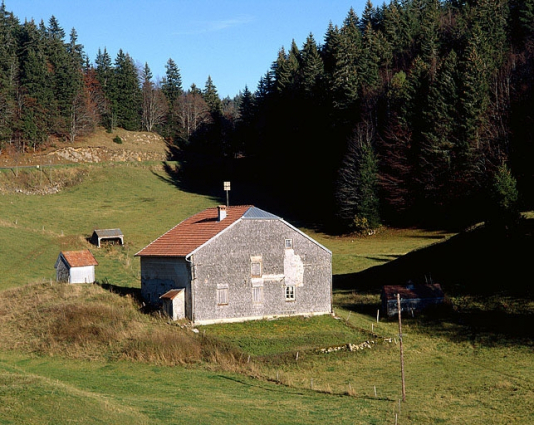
column 92, row 354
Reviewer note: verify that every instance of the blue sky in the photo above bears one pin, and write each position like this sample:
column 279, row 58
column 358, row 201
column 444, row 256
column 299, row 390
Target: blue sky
column 233, row 41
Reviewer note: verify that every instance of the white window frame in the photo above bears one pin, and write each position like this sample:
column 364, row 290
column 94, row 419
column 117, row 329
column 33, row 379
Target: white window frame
column 288, row 244
column 290, row 292
column 257, row 294
column 256, row 266
column 222, row 296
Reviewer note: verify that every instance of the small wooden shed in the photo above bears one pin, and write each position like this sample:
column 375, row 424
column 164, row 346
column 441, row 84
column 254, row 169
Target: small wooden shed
column 413, row 298
column 75, row 267
column 174, row 303
column 110, row 235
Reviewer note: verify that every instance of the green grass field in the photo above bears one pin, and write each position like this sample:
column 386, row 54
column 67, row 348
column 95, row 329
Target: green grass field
column 104, row 368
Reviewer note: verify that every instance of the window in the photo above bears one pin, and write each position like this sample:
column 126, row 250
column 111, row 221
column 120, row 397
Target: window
column 257, row 294
column 222, row 296
column 255, row 266
column 290, row 293
column 289, row 243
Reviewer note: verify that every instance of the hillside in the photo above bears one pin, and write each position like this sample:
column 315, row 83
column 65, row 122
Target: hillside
column 95, row 148
column 94, row 351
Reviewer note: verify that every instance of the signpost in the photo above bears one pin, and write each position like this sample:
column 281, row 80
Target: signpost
column 227, row 189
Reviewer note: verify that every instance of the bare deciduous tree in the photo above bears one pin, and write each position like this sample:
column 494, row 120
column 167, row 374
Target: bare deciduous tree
column 154, row 105
column 193, row 111
column 87, row 107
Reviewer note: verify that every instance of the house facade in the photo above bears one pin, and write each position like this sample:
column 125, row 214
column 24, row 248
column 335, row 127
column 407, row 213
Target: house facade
column 75, row 267
column 237, row 263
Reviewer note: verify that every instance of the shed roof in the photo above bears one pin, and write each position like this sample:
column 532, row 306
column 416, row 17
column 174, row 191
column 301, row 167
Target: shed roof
column 172, row 294
column 79, row 258
column 432, row 290
column 108, row 233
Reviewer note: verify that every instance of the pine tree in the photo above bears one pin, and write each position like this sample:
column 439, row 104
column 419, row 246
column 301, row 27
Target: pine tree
column 369, row 17
column 126, row 94
column 438, row 136
column 311, row 69
column 346, row 51
column 285, row 70
column 37, row 95
column 9, row 66
column 245, row 127
column 395, row 153
column 104, row 74
column 503, row 210
column 212, row 99
column 357, row 187
column 369, row 63
column 172, row 83
column 526, row 19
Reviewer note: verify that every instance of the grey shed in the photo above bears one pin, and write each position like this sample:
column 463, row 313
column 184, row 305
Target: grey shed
column 111, row 235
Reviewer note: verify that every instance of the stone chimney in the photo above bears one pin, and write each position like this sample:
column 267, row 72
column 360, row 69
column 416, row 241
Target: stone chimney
column 222, row 212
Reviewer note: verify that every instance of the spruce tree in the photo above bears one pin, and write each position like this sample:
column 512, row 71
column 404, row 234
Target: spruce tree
column 172, row 83
column 311, row 69
column 357, row 197
column 37, row 95
column 503, row 210
column 439, row 134
column 9, row 67
column 211, row 97
column 346, row 51
column 126, row 93
column 104, row 74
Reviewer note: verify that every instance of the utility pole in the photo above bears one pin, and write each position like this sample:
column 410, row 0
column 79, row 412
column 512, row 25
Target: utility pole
column 401, row 349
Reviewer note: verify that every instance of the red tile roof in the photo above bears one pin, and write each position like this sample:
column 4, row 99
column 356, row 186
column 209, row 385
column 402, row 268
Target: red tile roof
column 413, row 292
column 79, row 258
column 193, row 232
column 171, row 295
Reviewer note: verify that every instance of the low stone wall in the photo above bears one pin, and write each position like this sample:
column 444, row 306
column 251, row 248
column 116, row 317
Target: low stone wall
column 103, row 154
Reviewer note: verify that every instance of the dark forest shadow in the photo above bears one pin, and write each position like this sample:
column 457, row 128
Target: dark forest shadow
column 250, row 185
column 485, row 274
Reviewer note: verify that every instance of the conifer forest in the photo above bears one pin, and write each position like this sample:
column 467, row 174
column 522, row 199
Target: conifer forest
column 415, row 112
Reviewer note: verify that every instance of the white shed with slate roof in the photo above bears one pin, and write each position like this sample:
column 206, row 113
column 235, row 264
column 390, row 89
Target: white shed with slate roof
column 236, row 263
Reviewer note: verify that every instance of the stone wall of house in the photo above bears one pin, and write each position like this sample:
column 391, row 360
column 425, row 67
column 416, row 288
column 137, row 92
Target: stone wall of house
column 225, row 264
column 159, row 275
column 62, row 271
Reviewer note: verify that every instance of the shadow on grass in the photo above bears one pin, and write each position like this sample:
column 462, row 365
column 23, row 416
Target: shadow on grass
column 123, row 291
column 481, row 272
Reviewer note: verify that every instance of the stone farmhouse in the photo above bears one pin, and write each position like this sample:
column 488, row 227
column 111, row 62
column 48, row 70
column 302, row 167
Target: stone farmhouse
column 75, row 267
column 236, row 263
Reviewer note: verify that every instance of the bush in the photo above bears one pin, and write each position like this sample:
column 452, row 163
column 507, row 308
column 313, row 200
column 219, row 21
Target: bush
column 117, row 140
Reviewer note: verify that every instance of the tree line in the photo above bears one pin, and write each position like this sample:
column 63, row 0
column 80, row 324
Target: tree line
column 417, row 111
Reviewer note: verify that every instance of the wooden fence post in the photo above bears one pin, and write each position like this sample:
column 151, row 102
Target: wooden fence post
column 401, row 349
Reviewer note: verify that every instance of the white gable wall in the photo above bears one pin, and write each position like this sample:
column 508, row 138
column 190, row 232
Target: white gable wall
column 82, row 274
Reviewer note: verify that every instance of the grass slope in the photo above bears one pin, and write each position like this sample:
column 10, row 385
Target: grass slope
column 91, row 354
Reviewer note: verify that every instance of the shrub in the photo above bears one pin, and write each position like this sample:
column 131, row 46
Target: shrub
column 117, row 140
